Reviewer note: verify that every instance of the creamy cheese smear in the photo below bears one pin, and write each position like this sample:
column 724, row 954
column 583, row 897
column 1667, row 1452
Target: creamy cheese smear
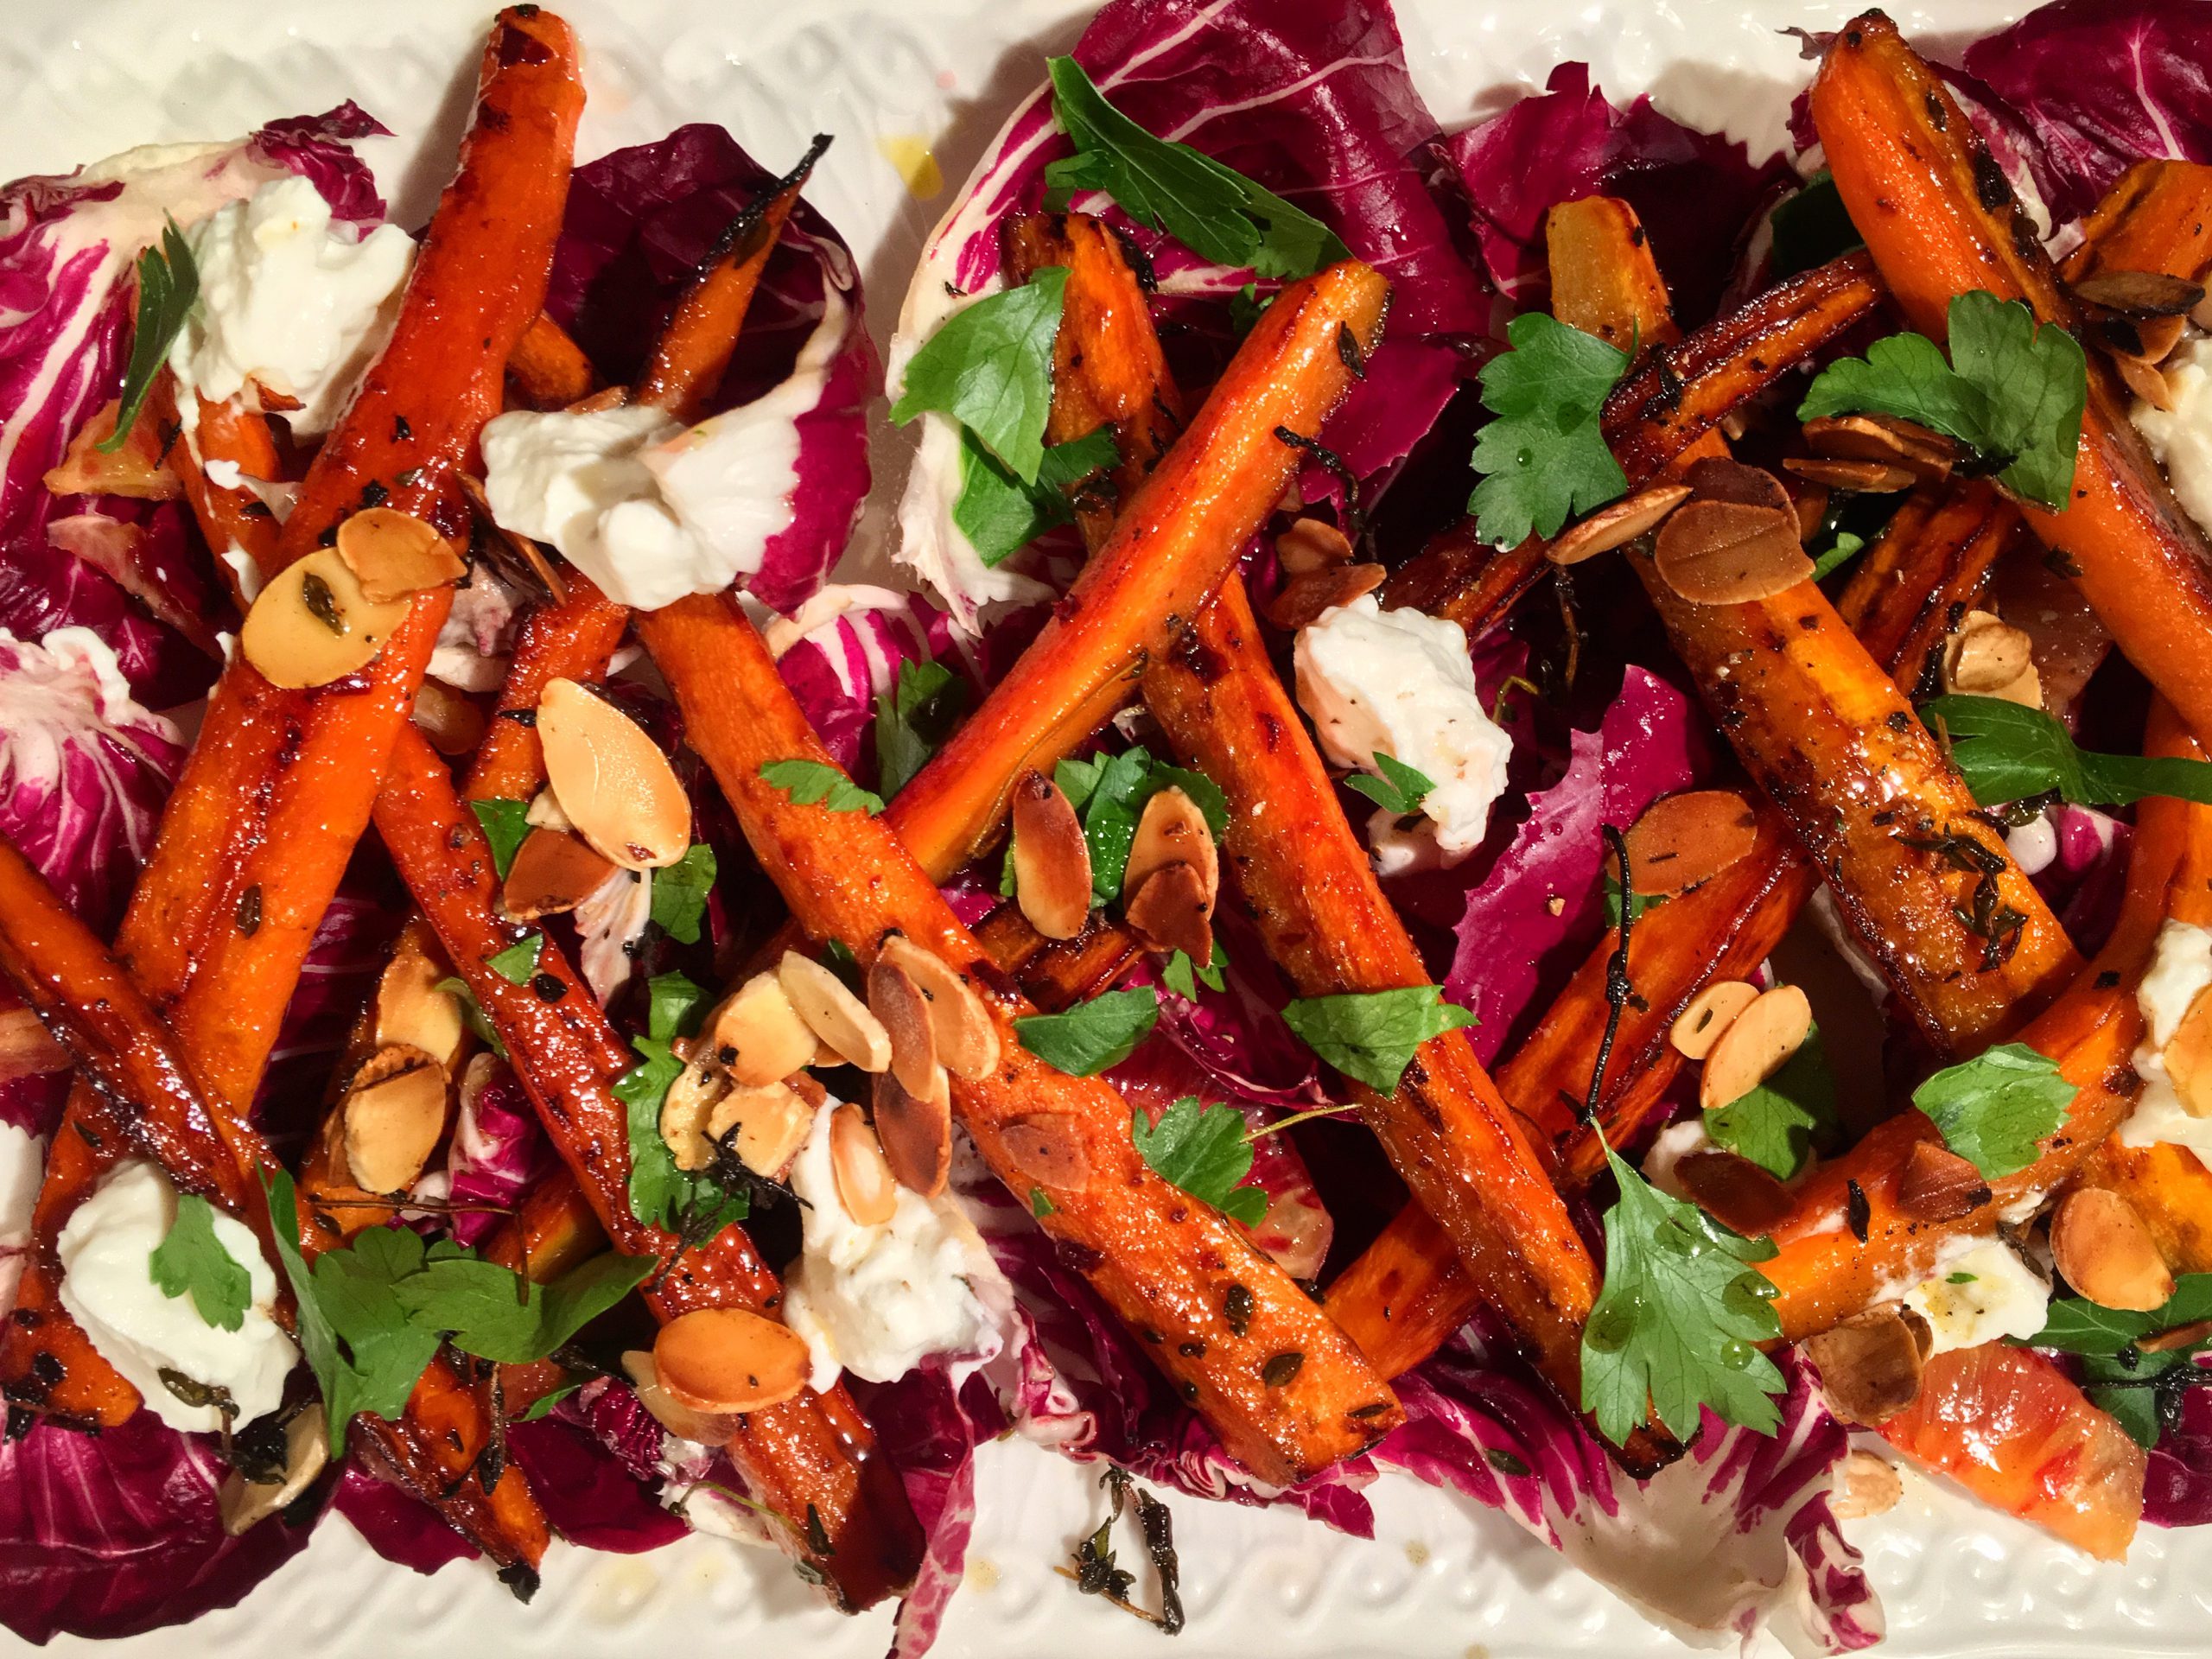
column 106, row 1253
column 2180, row 971
column 23, row 1166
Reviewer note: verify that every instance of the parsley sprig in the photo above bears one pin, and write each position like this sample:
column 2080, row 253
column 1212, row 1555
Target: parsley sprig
column 1543, row 455
column 1777, row 1124
column 1995, row 1109
column 912, row 719
column 1109, row 793
column 1394, row 786
column 2140, row 1388
column 506, row 826
column 1371, row 1035
column 191, row 1261
column 168, row 286
column 1086, row 1040
column 811, row 783
column 1203, row 1150
column 690, row 1204
column 1000, row 514
column 2008, row 752
column 680, row 890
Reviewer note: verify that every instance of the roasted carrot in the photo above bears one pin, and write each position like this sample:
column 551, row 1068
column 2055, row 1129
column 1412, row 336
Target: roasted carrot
column 547, row 369
column 1928, row 567
column 1460, row 577
column 1170, row 547
column 2157, row 217
column 571, row 639
column 2170, row 1188
column 233, row 519
column 1282, row 1386
column 1940, row 220
column 1623, row 302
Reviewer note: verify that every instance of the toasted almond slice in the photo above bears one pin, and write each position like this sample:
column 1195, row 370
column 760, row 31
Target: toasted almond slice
column 396, row 555
column 1869, row 1365
column 1725, row 552
column 1754, row 1046
column 1302, row 600
column 612, row 780
column 1986, row 653
column 2181, row 1335
column 916, row 1131
column 243, row 1503
column 521, row 560
column 454, row 723
column 1171, row 912
column 728, row 1359
column 1698, row 1027
column 1616, row 524
column 1885, row 441
column 552, row 873
column 1811, row 505
column 770, row 1125
column 1173, row 830
column 854, row 1036
column 312, row 624
column 136, row 469
column 394, row 1112
column 2188, row 1056
column 2144, row 380
column 1047, row 1147
column 757, row 1036
column 1312, row 545
column 1683, row 840
column 1862, row 477
column 865, row 1185
column 27, row 1049
column 2140, row 293
column 967, row 1040
column 1938, row 1184
column 1733, row 1189
column 1718, row 478
column 2149, row 341
column 1864, row 1485
column 900, row 1006
column 412, row 1012
column 702, row 1429
column 685, row 1111
column 2106, row 1252
column 1052, row 858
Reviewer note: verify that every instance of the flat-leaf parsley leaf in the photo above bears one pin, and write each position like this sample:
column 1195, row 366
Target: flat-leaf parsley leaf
column 1086, row 1040
column 811, row 783
column 2008, row 752
column 1995, row 1108
column 1371, row 1035
column 989, row 366
column 1543, row 455
column 1203, row 1150
column 191, row 1261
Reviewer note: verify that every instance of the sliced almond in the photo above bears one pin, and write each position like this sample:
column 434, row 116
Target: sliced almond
column 552, row 873
column 916, row 1131
column 1883, row 440
column 411, row 1011
column 1726, row 553
column 2140, row 293
column 1684, row 840
column 454, row 723
column 1862, row 477
column 1173, row 830
column 853, row 1035
column 1616, row 525
column 2181, row 1335
column 136, row 468
column 1047, row 1148
column 685, row 1111
column 757, row 1036
column 719, row 1360
column 1938, row 1184
column 1301, row 600
column 243, row 1503
column 1698, row 1027
column 26, row 1048
column 967, row 1038
column 2144, row 380
column 1718, row 478
column 1052, row 858
column 395, row 1113
column 312, row 624
column 396, row 555
column 2106, row 1252
column 1310, row 544
column 900, row 1007
column 2148, row 341
column 865, row 1185
column 1733, row 1189
column 700, row 1427
column 2188, row 1055
column 1754, row 1046
column 1171, row 911
column 612, row 780
column 1869, row 1365
column 765, row 1127
column 1983, row 653
column 1865, row 1485
column 1811, row 505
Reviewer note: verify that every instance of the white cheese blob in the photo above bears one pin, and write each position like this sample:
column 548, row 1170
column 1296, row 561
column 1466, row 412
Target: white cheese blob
column 876, row 1301
column 2181, row 437
column 290, row 300
column 106, row 1252
column 1400, row 683
column 23, row 1166
column 1980, row 1291
column 2181, row 968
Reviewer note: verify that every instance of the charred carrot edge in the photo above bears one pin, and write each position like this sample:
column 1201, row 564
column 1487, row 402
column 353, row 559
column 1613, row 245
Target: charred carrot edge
column 2157, row 217
column 549, row 370
column 1928, row 567
column 1459, row 577
column 1170, row 549
column 1823, row 1272
column 1168, row 1265
column 813, row 1451
column 478, row 281
column 1940, row 219
column 695, row 347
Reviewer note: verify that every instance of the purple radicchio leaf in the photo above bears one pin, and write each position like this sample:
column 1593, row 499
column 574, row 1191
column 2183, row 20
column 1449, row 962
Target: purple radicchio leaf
column 589, row 1498
column 498, row 1150
column 2177, row 1484
column 837, row 666
column 398, row 1526
column 319, row 149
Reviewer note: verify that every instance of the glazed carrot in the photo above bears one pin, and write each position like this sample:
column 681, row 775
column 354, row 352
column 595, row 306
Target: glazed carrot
column 2157, row 217
column 1462, row 578
column 571, row 638
column 2170, row 1188
column 1928, row 567
column 1170, row 549
column 1940, row 220
column 1174, row 1269
column 1623, row 302
column 547, row 369
column 233, row 519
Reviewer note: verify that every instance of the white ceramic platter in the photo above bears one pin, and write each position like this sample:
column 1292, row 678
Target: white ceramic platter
column 80, row 79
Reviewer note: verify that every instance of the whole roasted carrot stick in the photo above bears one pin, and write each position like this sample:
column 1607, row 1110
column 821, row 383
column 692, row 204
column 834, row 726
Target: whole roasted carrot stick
column 1940, row 220
column 1169, row 550
column 1281, row 1384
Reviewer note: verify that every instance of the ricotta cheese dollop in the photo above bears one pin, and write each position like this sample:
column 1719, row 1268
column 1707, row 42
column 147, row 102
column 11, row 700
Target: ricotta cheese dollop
column 22, row 1164
column 2181, row 436
column 876, row 1301
column 1400, row 683
column 290, row 300
column 2181, row 968
column 107, row 1284
column 1980, row 1291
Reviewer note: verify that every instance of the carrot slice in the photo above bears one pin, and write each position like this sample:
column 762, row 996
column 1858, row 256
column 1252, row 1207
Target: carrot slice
column 2157, row 217
column 1930, row 565
column 549, row 370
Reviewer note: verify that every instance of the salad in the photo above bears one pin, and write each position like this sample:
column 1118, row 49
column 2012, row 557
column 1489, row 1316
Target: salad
column 1531, row 812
